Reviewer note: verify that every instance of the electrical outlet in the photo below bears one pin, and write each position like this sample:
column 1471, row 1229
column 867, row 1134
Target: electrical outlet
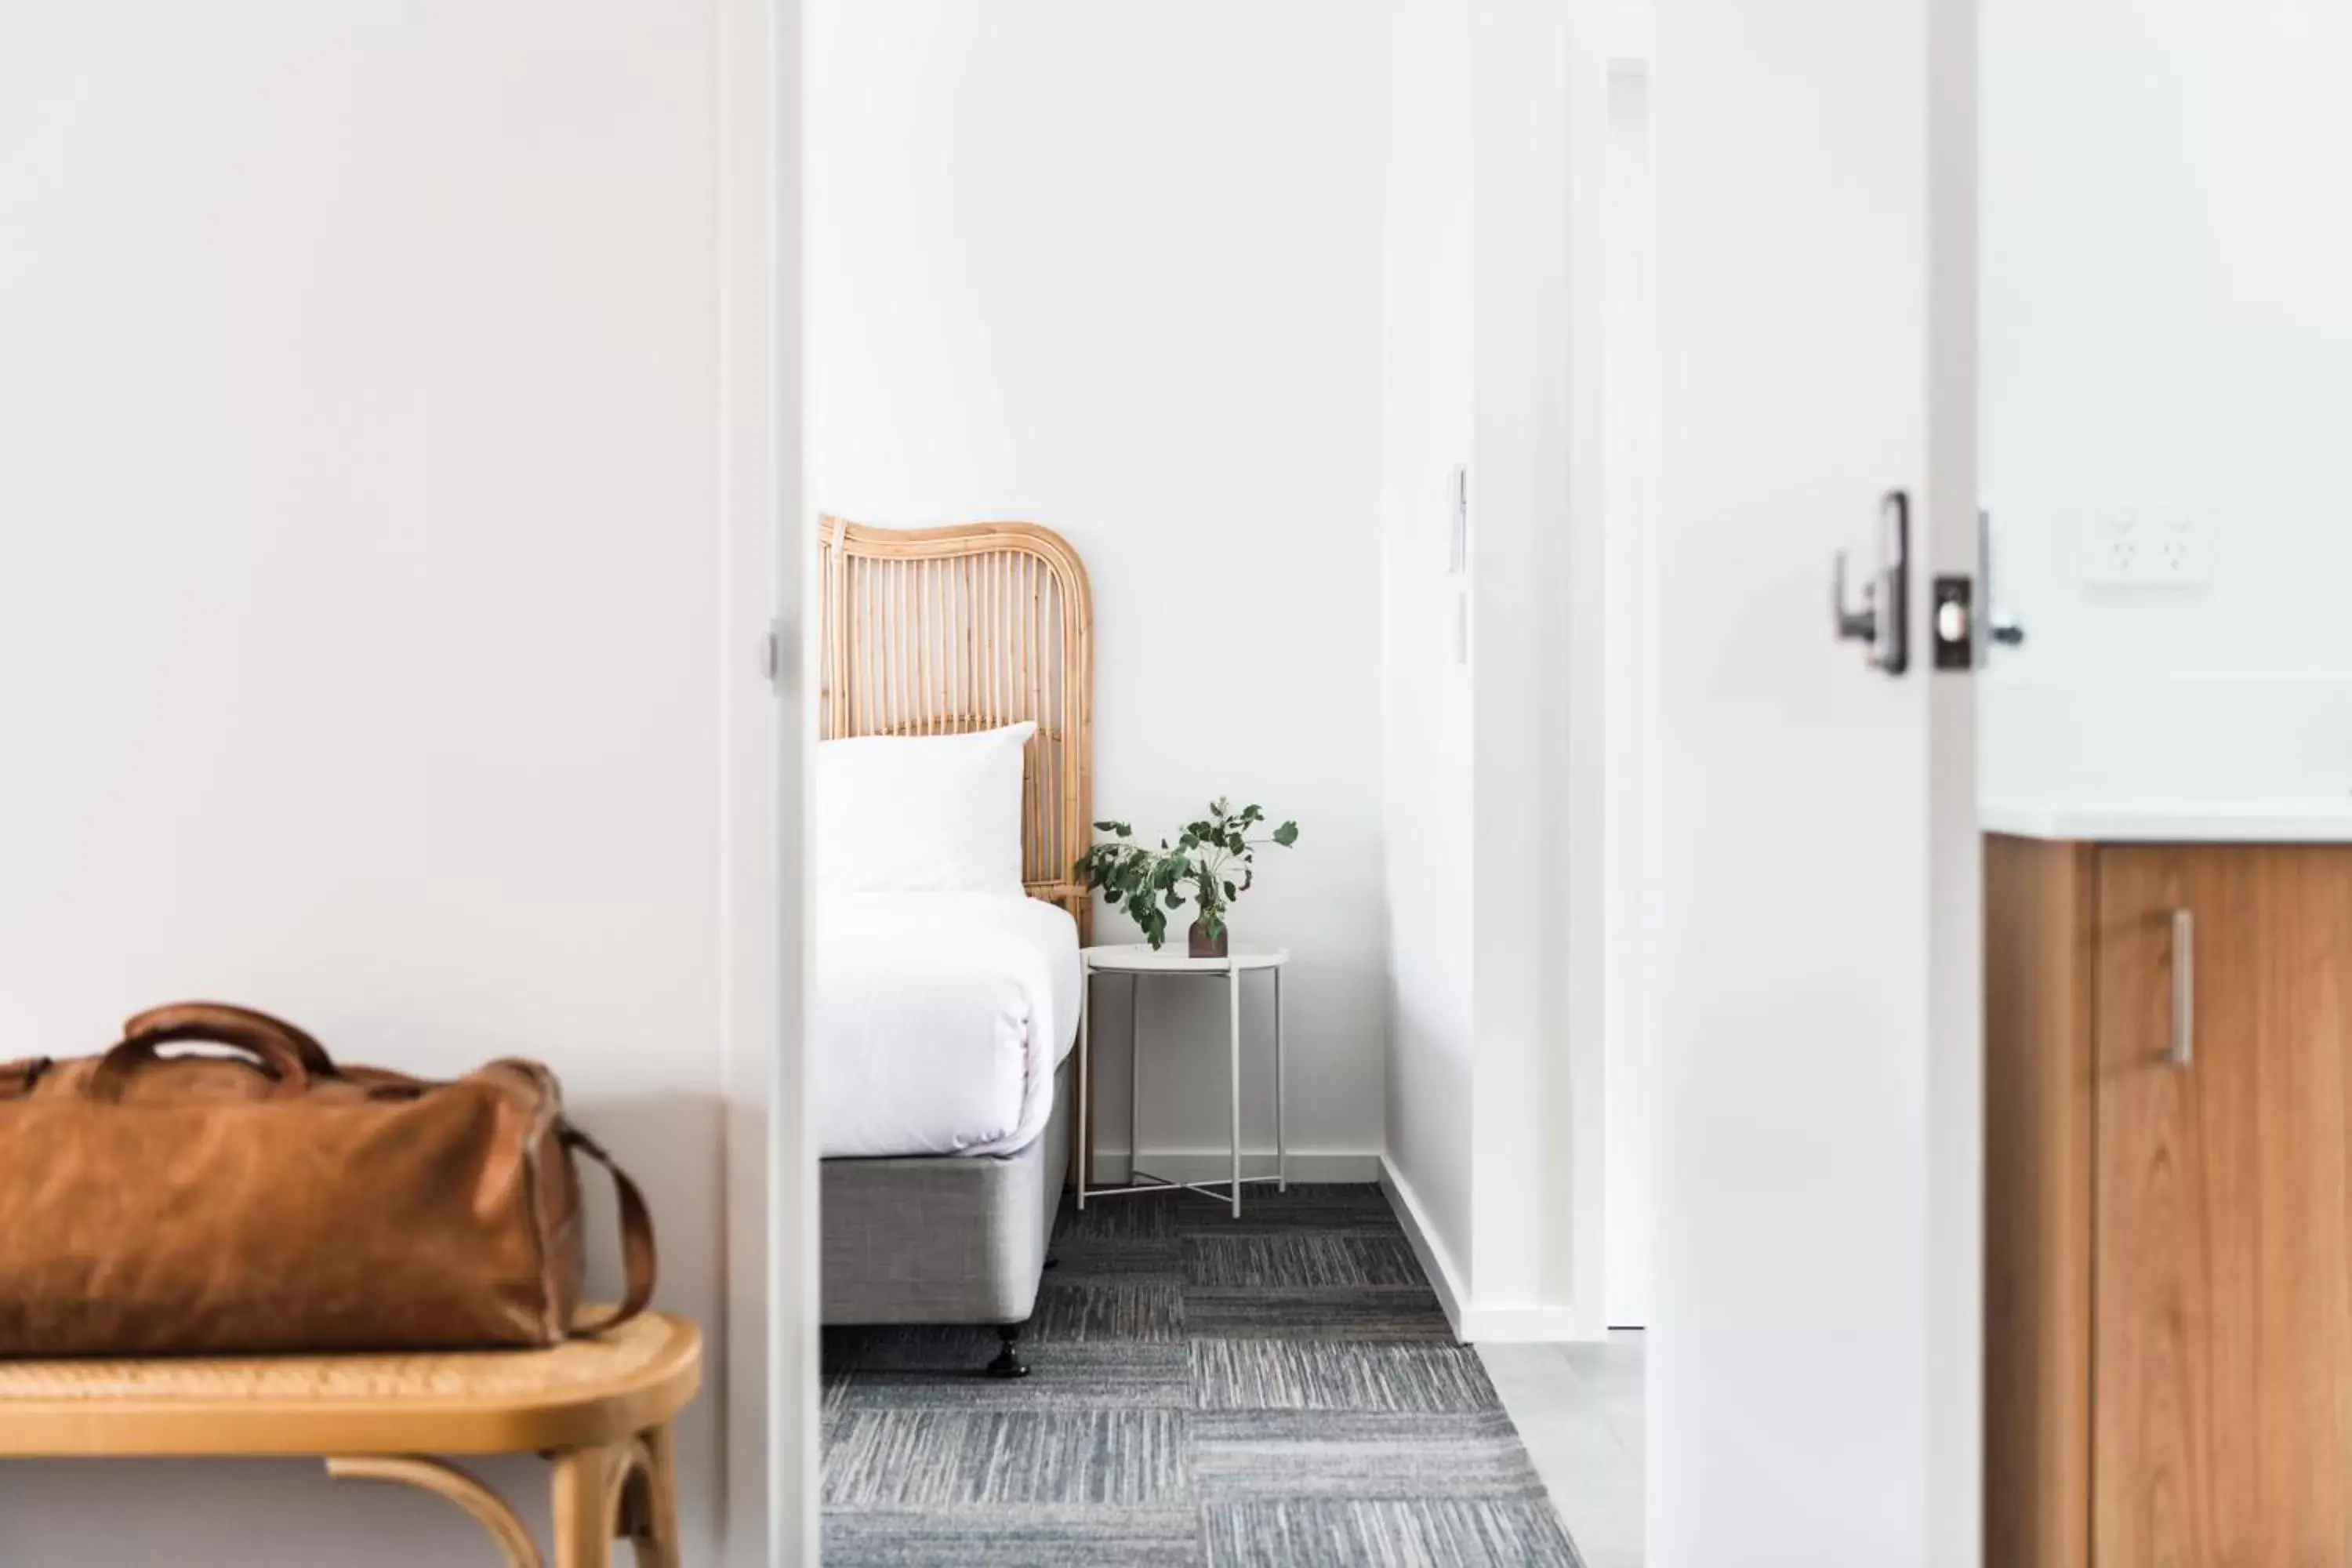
column 2156, row 546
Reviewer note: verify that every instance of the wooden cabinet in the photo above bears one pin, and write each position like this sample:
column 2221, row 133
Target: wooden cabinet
column 2169, row 1207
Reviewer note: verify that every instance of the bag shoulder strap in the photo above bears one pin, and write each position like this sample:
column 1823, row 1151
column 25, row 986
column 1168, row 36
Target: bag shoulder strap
column 638, row 1258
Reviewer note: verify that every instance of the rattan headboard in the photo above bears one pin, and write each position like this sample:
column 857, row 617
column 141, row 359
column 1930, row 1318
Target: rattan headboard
column 935, row 631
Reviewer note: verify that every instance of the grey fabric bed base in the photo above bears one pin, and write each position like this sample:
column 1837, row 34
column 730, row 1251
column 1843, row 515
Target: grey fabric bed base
column 944, row 1238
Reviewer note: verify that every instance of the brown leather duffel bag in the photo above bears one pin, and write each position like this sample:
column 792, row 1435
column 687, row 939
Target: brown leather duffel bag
column 153, row 1205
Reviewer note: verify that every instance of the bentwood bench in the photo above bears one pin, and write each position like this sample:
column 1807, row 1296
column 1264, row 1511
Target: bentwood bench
column 598, row 1409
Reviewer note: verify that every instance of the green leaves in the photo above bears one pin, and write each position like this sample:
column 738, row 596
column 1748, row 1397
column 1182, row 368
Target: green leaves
column 1212, row 863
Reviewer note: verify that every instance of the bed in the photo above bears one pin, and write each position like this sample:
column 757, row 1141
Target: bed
column 941, row 1024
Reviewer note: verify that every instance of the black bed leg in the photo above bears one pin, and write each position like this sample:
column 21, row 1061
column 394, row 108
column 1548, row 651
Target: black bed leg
column 1008, row 1361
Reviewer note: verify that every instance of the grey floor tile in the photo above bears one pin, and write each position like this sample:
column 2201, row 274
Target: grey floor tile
column 1533, row 1378
column 1601, row 1514
column 1581, row 1436
column 1610, row 1368
column 1610, row 1557
column 1578, row 1408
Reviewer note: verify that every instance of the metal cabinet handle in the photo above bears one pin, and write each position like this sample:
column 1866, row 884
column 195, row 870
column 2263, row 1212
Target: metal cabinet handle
column 2184, row 987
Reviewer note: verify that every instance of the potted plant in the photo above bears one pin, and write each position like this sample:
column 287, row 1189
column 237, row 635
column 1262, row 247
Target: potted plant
column 1212, row 863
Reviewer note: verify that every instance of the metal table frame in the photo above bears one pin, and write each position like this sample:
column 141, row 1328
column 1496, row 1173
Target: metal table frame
column 1231, row 971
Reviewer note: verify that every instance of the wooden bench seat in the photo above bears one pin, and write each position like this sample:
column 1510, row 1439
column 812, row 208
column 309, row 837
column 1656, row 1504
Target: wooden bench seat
column 599, row 1409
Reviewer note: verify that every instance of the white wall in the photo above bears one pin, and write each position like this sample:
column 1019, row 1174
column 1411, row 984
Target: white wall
column 1489, row 1122
column 1531, row 1126
column 2168, row 226
column 1115, row 269
column 359, row 602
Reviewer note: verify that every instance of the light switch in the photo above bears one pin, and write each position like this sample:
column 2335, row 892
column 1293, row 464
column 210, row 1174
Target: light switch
column 1457, row 530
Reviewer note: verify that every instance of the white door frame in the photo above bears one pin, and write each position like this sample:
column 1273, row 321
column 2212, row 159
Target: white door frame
column 1610, row 593
column 1956, row 1102
column 767, row 1377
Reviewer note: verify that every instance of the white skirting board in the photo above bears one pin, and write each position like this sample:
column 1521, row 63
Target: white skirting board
column 1474, row 1323
column 1217, row 1164
column 1452, row 1290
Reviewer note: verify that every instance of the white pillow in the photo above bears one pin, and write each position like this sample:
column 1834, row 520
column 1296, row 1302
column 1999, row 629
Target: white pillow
column 932, row 814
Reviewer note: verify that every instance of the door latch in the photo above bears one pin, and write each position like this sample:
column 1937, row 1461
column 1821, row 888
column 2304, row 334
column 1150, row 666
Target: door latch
column 2003, row 630
column 1883, row 623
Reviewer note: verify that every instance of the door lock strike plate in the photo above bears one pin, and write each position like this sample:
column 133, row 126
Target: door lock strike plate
column 1956, row 624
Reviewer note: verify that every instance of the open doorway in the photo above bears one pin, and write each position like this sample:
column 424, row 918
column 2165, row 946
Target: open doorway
column 1581, row 1399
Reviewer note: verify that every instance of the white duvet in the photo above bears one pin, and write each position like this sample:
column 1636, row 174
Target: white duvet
column 937, row 1020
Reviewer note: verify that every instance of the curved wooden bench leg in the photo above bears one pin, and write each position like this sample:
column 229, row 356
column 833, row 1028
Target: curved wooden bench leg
column 587, row 1486
column 443, row 1480
column 652, row 1521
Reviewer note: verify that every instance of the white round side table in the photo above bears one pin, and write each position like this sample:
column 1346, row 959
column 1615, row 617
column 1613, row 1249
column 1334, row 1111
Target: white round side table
column 1136, row 962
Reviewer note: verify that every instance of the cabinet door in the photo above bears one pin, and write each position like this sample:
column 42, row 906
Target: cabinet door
column 2222, row 1270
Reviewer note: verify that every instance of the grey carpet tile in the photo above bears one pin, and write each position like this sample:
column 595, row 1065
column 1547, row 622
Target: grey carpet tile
column 1279, row 1390
column 1149, row 1216
column 1126, row 1311
column 932, row 1459
column 1061, row 1538
column 1326, row 1208
column 1296, row 1259
column 1074, row 1377
column 1086, row 1261
column 1435, row 1532
column 1318, row 1374
column 934, row 1347
column 1357, row 1314
column 1256, row 1455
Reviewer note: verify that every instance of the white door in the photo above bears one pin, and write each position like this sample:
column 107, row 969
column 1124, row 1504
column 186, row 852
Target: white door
column 772, row 1453
column 1814, row 1355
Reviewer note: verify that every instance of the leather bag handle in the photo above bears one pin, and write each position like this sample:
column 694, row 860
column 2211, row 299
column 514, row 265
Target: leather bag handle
column 17, row 1078
column 278, row 1055
column 230, row 1026
column 637, row 1256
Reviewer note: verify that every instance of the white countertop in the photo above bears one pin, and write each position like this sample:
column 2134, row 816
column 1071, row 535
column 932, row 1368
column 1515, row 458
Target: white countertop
column 2308, row 820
